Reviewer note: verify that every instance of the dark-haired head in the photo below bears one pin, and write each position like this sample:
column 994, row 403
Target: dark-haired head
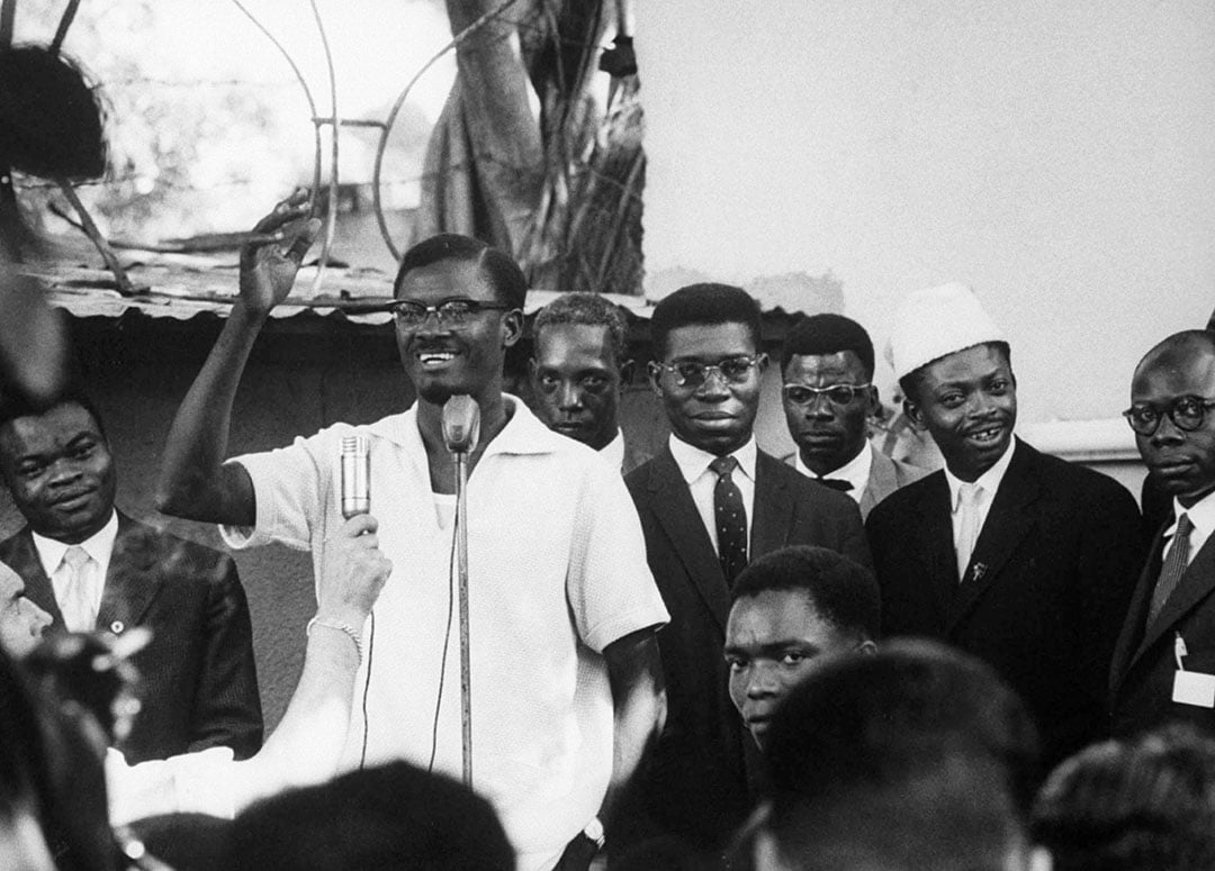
column 910, row 733
column 58, row 468
column 589, row 310
column 394, row 816
column 704, row 304
column 1147, row 802
column 828, row 334
column 499, row 270
column 842, row 592
column 794, row 609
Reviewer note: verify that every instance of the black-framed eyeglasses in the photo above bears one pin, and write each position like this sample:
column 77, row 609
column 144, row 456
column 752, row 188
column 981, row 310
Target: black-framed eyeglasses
column 693, row 373
column 450, row 312
column 1186, row 412
column 837, row 394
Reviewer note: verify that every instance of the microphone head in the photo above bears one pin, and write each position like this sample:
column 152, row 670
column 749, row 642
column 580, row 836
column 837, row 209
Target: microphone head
column 356, row 476
column 461, row 424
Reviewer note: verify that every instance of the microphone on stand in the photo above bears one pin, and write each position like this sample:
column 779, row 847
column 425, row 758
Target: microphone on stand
column 356, row 476
column 461, row 429
column 461, row 424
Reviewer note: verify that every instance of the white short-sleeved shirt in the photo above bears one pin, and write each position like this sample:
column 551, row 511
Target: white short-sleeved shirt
column 557, row 572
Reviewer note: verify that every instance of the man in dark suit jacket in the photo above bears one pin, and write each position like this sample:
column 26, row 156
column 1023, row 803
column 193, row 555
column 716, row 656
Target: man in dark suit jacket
column 1170, row 625
column 699, row 535
column 1017, row 557
column 199, row 685
column 579, row 364
column 829, row 397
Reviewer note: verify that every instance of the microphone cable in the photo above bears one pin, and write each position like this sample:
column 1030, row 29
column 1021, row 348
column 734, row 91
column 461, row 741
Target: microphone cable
column 451, row 600
column 367, row 688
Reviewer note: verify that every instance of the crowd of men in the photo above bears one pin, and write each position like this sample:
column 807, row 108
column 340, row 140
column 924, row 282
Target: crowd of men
column 713, row 657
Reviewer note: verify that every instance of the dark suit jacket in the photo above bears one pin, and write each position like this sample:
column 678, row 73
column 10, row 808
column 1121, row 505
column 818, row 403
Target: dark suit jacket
column 696, row 785
column 199, row 685
column 1141, row 675
column 1046, row 589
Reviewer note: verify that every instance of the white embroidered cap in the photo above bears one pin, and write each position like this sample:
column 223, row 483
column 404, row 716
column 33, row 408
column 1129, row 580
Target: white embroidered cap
column 936, row 322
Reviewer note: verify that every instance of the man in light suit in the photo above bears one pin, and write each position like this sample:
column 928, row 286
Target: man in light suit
column 579, row 363
column 1020, row 558
column 709, row 502
column 90, row 567
column 829, row 396
column 1165, row 658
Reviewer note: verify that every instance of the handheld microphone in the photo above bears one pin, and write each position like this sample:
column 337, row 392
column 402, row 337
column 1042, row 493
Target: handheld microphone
column 461, row 424
column 356, row 476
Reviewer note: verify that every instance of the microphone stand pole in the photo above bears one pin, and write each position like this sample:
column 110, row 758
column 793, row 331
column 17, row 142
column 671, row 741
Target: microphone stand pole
column 461, row 458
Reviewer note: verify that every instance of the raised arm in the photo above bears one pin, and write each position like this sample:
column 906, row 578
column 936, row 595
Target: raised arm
column 194, row 481
column 307, row 745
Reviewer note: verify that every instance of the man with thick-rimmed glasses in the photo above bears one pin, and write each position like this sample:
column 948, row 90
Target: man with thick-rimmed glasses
column 1164, row 664
column 829, row 396
column 709, row 502
column 566, row 682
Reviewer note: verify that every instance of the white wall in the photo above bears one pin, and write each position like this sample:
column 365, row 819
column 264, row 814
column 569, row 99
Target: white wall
column 1059, row 156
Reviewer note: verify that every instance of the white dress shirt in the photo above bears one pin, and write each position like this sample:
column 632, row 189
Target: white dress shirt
column 986, row 486
column 99, row 547
column 1202, row 515
column 694, row 466
column 855, row 471
column 613, row 451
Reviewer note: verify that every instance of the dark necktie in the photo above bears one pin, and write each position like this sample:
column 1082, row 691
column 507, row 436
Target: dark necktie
column 731, row 517
column 836, row 484
column 1173, row 568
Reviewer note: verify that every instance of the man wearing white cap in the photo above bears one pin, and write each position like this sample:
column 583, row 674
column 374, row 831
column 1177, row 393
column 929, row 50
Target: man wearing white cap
column 1020, row 558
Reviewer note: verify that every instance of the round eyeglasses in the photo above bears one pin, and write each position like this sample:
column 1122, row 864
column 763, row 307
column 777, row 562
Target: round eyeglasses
column 837, row 394
column 450, row 312
column 692, row 373
column 1186, row 412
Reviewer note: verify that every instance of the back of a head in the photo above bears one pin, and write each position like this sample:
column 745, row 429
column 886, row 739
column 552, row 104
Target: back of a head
column 950, row 814
column 827, row 333
column 1123, row 805
column 917, row 724
column 843, row 592
column 394, row 816
column 703, row 304
column 498, row 269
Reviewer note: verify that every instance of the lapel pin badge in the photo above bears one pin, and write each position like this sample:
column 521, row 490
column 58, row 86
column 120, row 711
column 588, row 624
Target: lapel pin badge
column 979, row 570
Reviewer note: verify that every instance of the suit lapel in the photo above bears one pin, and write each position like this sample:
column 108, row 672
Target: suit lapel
column 1195, row 585
column 133, row 579
column 1008, row 522
column 883, row 480
column 38, row 588
column 773, row 513
column 933, row 542
column 1128, row 649
column 676, row 512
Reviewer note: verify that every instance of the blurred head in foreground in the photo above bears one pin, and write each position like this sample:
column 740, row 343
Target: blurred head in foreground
column 1123, row 805
column 915, row 757
column 395, row 816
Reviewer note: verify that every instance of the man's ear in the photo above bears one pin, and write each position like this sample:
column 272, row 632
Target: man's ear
column 654, row 373
column 913, row 414
column 874, row 407
column 868, row 647
column 761, row 362
column 627, row 367
column 512, row 327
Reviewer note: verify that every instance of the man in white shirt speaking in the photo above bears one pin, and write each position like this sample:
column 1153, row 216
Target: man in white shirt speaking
column 565, row 689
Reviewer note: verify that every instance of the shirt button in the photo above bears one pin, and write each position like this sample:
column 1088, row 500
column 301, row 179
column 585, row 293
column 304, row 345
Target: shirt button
column 117, row 626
